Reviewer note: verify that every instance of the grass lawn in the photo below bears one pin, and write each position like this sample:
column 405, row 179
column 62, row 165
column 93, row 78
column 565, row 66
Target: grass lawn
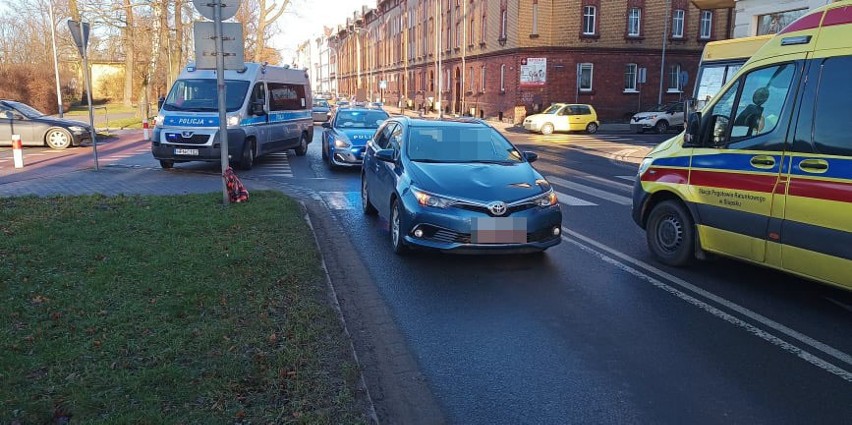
column 137, row 309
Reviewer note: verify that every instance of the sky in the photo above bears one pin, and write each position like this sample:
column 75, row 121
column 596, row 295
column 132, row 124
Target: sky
column 307, row 19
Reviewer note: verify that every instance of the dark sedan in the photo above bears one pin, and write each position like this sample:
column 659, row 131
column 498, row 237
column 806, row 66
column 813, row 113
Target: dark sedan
column 457, row 186
column 38, row 129
column 320, row 110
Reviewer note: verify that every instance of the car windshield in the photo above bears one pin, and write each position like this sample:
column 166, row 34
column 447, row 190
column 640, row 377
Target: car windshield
column 552, row 109
column 201, row 96
column 359, row 119
column 321, row 103
column 27, row 110
column 460, row 144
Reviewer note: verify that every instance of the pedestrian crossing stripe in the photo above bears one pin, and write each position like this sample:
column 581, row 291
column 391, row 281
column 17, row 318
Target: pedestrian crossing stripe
column 573, row 201
column 628, row 178
column 618, row 199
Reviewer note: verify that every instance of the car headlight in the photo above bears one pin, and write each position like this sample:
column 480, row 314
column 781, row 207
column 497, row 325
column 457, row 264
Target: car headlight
column 431, row 200
column 158, row 121
column 340, row 143
column 652, row 117
column 234, row 120
column 645, row 165
column 547, row 200
column 78, row 129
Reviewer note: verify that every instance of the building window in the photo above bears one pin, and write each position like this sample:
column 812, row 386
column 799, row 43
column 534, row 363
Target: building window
column 589, row 16
column 678, row 19
column 472, row 32
column 482, row 79
column 674, row 79
column 774, row 22
column 630, row 77
column 706, row 27
column 449, row 82
column 634, row 22
column 472, row 84
column 535, row 17
column 503, row 78
column 458, row 35
column 482, row 24
column 584, row 76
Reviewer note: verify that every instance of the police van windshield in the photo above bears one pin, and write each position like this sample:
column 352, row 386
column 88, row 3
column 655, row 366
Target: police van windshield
column 200, row 96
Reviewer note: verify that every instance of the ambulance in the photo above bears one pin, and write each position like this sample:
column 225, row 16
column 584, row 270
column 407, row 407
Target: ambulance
column 268, row 110
column 763, row 173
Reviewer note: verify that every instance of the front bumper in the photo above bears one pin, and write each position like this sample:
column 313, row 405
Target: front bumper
column 347, row 157
column 532, row 126
column 641, row 125
column 640, row 201
column 166, row 147
column 319, row 116
column 450, row 230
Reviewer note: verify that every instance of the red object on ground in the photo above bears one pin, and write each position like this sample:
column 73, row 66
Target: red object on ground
column 236, row 191
column 16, row 142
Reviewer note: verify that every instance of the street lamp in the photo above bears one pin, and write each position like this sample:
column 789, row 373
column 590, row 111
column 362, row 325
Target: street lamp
column 55, row 58
column 663, row 60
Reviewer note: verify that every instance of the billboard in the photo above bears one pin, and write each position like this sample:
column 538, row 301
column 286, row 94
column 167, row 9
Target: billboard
column 533, row 72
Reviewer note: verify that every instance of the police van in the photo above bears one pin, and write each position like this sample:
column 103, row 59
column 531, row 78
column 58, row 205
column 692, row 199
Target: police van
column 268, row 110
column 764, row 172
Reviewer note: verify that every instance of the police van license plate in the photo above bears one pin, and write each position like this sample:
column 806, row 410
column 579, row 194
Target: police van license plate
column 181, row 151
column 499, row 230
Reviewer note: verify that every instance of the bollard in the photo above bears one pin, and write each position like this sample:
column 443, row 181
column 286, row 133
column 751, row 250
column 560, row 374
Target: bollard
column 17, row 151
column 145, row 127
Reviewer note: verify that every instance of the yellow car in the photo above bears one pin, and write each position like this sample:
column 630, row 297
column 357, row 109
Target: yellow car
column 764, row 172
column 564, row 117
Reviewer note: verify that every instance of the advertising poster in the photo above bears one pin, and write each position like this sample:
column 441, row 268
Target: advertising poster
column 533, row 72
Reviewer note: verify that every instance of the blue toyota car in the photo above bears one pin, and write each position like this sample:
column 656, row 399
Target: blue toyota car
column 344, row 138
column 457, row 186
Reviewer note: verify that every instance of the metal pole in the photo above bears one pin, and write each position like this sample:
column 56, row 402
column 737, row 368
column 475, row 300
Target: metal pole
column 55, row 60
column 220, row 92
column 89, row 96
column 439, row 21
column 663, row 60
column 463, row 60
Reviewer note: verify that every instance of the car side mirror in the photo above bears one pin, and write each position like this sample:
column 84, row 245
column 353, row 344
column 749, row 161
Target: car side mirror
column 10, row 115
column 693, row 125
column 326, row 125
column 386, row 155
column 530, row 156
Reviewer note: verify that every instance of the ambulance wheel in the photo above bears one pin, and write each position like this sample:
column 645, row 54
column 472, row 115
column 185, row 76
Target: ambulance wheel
column 302, row 149
column 670, row 234
column 167, row 164
column 247, row 157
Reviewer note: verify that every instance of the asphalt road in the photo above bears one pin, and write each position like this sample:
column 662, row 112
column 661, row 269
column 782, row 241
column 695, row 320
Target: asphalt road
column 594, row 331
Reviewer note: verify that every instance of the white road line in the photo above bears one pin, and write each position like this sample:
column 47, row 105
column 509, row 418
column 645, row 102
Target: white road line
column 573, row 201
column 608, row 182
column 628, row 178
column 786, row 346
column 618, row 199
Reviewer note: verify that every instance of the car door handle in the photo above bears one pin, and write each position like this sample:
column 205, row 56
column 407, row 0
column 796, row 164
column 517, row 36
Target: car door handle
column 814, row 165
column 763, row 161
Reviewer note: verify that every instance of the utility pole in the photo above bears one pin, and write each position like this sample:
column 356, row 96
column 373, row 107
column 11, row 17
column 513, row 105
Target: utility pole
column 663, row 60
column 438, row 30
column 464, row 52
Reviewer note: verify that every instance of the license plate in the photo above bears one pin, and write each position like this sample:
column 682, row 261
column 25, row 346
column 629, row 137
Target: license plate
column 180, row 151
column 499, row 230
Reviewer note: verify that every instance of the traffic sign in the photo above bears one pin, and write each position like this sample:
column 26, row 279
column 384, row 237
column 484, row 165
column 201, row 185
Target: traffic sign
column 383, row 84
column 80, row 33
column 206, row 7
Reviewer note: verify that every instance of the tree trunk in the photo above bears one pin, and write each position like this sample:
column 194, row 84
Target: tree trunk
column 267, row 15
column 177, row 46
column 129, row 54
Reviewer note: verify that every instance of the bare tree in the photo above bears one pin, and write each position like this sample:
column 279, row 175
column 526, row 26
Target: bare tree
column 268, row 14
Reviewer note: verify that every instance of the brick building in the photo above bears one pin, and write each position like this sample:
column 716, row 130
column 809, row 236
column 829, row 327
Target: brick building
column 508, row 58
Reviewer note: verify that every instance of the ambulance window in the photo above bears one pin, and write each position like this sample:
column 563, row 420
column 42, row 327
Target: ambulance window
column 720, row 116
column 763, row 96
column 832, row 126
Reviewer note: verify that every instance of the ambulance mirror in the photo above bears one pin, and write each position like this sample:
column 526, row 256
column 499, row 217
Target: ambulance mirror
column 693, row 125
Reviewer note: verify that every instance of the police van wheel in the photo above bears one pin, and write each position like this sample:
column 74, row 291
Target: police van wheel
column 247, row 157
column 167, row 164
column 302, row 149
column 670, row 234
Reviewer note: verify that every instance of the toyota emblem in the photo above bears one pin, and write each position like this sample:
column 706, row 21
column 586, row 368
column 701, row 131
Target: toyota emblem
column 497, row 208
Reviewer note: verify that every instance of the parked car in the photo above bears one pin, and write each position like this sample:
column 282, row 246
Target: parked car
column 38, row 129
column 344, row 138
column 564, row 117
column 659, row 118
column 320, row 110
column 457, row 185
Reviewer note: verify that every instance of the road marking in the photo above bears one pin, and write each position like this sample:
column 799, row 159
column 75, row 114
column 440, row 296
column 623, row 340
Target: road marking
column 603, row 250
column 628, row 178
column 573, row 201
column 618, row 199
column 608, row 182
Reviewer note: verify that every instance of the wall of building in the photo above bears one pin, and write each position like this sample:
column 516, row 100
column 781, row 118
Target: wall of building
column 748, row 11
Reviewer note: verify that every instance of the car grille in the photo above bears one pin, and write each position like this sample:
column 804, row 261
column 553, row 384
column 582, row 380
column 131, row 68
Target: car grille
column 195, row 139
column 482, row 209
column 449, row 236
